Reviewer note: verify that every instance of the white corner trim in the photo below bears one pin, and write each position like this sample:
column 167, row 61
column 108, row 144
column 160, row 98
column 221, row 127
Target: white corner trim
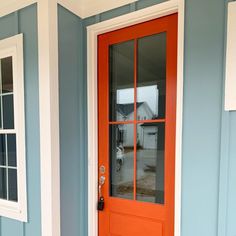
column 179, row 117
column 13, row 47
column 230, row 74
column 49, row 117
column 7, row 7
column 93, row 31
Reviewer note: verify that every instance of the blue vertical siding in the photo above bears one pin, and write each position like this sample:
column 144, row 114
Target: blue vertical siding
column 25, row 21
column 203, row 76
column 209, row 133
column 231, row 193
column 73, row 136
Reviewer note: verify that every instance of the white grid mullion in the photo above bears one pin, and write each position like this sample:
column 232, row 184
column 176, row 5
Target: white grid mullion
column 9, row 167
column 7, row 131
column 9, row 93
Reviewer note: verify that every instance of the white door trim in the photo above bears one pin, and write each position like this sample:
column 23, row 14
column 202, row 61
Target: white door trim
column 93, row 31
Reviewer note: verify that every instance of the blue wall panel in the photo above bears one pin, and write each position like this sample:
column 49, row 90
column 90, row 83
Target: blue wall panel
column 209, row 133
column 25, row 21
column 72, row 125
column 203, row 70
column 231, row 206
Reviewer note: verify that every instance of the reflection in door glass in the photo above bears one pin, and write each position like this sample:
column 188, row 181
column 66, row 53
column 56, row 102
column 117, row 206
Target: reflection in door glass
column 122, row 161
column 121, row 81
column 151, row 84
column 150, row 162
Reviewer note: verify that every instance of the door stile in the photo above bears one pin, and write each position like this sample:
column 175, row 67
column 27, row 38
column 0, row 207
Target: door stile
column 171, row 84
column 103, row 130
column 135, row 115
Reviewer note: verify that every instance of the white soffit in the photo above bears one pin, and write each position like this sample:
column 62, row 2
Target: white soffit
column 93, row 7
column 86, row 8
column 82, row 8
column 230, row 83
column 9, row 6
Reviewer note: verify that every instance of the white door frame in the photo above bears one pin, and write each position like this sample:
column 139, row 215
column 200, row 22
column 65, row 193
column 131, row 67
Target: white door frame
column 153, row 12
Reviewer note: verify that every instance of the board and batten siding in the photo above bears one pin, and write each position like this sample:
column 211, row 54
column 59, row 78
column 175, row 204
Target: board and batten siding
column 209, row 132
column 73, row 136
column 25, row 21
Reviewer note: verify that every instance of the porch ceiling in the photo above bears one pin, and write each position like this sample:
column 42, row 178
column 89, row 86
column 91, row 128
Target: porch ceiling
column 83, row 8
column 86, row 8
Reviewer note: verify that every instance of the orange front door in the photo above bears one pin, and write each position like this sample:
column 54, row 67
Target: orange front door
column 137, row 71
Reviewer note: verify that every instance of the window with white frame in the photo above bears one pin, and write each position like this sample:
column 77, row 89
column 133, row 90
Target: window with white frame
column 13, row 202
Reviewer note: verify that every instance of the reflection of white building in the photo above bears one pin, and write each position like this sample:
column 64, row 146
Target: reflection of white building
column 146, row 133
column 126, row 111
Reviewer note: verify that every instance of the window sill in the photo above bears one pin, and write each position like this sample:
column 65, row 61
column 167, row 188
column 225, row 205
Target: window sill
column 12, row 210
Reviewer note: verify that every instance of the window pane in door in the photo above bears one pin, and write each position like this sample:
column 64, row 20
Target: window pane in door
column 121, row 71
column 151, row 82
column 122, row 161
column 150, row 162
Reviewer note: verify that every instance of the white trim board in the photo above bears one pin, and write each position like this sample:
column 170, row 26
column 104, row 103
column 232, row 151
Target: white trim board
column 230, row 74
column 93, row 31
column 49, row 117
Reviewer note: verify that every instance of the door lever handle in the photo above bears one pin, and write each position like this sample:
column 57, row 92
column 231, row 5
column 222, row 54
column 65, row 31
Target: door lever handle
column 101, row 198
column 102, row 180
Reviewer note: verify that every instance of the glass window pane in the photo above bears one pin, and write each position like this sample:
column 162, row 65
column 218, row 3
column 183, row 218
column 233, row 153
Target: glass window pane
column 7, row 75
column 122, row 161
column 3, row 184
column 1, row 125
column 8, row 112
column 122, row 81
column 151, row 83
column 150, row 162
column 2, row 150
column 11, row 148
column 12, row 184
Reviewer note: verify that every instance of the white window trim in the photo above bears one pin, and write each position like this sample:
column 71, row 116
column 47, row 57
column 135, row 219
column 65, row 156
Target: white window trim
column 230, row 74
column 14, row 47
column 93, row 31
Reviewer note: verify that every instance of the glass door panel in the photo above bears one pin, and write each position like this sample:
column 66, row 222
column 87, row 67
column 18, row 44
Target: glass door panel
column 150, row 162
column 121, row 69
column 137, row 95
column 122, row 161
column 151, row 81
